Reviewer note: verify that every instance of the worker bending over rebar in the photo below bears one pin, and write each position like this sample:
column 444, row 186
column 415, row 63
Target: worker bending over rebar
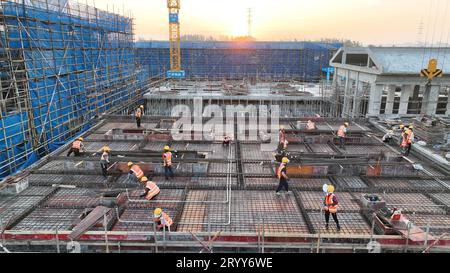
column 77, row 147
column 282, row 176
column 330, row 206
column 135, row 171
column 162, row 219
column 151, row 189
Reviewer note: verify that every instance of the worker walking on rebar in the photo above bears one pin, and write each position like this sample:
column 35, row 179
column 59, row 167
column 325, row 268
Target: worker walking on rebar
column 167, row 160
column 162, row 219
column 139, row 113
column 407, row 141
column 282, row 176
column 151, row 189
column 77, row 147
column 330, row 206
column 342, row 134
column 135, row 171
column 104, row 161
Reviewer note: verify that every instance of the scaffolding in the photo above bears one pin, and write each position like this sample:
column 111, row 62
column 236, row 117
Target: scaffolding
column 62, row 65
column 302, row 61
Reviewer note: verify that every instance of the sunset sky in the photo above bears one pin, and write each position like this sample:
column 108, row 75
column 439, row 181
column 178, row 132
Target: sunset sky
column 377, row 22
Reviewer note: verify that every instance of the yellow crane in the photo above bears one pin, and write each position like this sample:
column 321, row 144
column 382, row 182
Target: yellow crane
column 174, row 40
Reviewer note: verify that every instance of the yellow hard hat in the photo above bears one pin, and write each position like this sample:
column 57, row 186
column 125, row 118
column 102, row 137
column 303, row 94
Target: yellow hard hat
column 402, row 126
column 330, row 188
column 411, row 127
column 142, row 106
column 285, row 160
column 281, row 127
column 106, row 149
column 144, row 179
column 81, row 139
column 157, row 212
column 347, row 124
column 408, row 132
column 130, row 164
column 166, row 148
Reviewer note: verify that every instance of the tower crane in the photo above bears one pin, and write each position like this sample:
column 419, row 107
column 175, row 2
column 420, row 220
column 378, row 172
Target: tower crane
column 174, row 40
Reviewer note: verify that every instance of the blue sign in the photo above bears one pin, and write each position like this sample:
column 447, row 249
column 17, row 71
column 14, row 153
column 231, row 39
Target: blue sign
column 328, row 70
column 176, row 74
column 173, row 18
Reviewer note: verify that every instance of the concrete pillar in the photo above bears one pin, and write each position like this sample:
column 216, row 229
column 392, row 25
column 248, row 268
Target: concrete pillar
column 407, row 92
column 376, row 92
column 356, row 97
column 447, row 113
column 346, row 106
column 390, row 100
column 430, row 100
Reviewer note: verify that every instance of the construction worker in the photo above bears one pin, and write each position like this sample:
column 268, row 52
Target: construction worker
column 282, row 137
column 330, row 206
column 388, row 136
column 282, row 176
column 342, row 134
column 139, row 113
column 162, row 219
column 409, row 138
column 104, row 161
column 226, row 141
column 77, row 147
column 135, row 171
column 151, row 189
column 167, row 159
column 310, row 125
column 402, row 131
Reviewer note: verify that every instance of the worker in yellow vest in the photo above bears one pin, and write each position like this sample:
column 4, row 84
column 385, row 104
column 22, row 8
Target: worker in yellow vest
column 139, row 113
column 167, row 160
column 331, row 207
column 151, row 189
column 162, row 219
column 342, row 134
column 135, row 171
column 77, row 147
column 282, row 176
column 104, row 160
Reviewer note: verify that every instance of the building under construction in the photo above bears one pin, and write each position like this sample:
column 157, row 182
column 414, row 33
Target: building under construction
column 66, row 72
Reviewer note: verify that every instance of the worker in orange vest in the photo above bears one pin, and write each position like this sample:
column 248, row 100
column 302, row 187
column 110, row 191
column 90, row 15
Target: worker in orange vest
column 282, row 137
column 330, row 206
column 342, row 134
column 162, row 219
column 139, row 113
column 135, row 171
column 104, row 160
column 167, row 160
column 282, row 176
column 409, row 140
column 151, row 189
column 77, row 147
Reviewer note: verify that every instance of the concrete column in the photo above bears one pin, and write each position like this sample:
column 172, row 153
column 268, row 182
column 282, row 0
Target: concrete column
column 346, row 106
column 430, row 100
column 390, row 100
column 447, row 113
column 376, row 92
column 357, row 98
column 407, row 92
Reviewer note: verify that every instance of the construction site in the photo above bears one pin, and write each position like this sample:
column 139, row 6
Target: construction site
column 73, row 73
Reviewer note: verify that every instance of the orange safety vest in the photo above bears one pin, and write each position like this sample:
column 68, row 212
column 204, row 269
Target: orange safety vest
column 137, row 171
column 168, row 221
column 139, row 113
column 410, row 137
column 76, row 144
column 341, row 131
column 405, row 139
column 329, row 201
column 153, row 190
column 282, row 166
column 167, row 157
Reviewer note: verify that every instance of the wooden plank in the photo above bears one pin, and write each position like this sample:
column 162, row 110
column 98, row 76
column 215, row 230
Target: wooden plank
column 88, row 222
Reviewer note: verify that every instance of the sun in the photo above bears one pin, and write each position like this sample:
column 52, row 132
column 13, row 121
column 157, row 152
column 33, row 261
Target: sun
column 238, row 29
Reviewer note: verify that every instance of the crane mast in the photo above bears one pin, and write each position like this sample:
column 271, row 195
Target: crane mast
column 174, row 40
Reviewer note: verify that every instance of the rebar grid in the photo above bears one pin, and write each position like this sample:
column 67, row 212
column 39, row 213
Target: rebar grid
column 313, row 201
column 351, row 223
